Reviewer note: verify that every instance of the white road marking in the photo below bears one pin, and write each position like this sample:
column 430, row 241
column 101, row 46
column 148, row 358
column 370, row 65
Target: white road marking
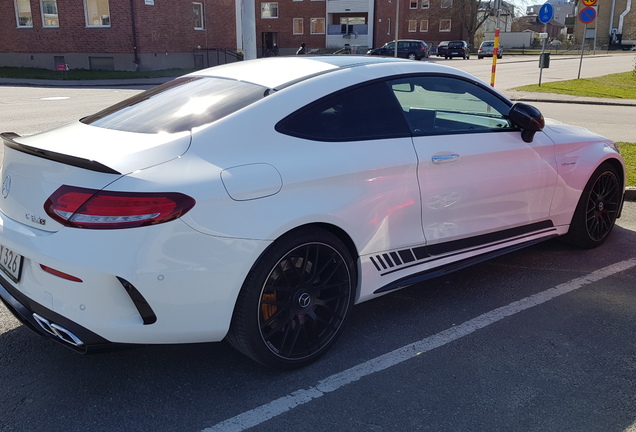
column 55, row 98
column 330, row 384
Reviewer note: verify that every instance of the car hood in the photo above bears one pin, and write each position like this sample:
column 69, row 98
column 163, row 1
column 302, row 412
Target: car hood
column 121, row 151
column 561, row 132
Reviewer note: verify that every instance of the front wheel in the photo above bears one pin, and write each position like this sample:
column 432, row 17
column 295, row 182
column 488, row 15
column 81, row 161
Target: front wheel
column 295, row 300
column 597, row 209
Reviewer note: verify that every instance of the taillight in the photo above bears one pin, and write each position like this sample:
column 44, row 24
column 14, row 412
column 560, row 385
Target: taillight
column 96, row 209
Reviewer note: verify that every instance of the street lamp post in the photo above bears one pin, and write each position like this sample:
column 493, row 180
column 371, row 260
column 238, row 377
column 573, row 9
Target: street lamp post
column 397, row 25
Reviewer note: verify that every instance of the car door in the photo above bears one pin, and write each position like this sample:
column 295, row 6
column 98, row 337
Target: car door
column 366, row 178
column 479, row 181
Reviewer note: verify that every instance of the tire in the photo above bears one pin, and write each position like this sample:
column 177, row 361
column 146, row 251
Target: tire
column 500, row 56
column 295, row 300
column 597, row 209
column 480, row 57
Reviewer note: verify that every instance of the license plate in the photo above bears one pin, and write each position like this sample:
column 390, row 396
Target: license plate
column 455, row 52
column 10, row 263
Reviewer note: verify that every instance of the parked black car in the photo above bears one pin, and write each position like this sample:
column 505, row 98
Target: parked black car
column 408, row 48
column 458, row 49
column 442, row 47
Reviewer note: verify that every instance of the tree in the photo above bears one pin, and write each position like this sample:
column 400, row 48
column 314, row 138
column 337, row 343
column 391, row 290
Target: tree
column 472, row 14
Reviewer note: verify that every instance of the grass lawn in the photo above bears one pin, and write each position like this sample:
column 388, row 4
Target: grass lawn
column 620, row 86
column 628, row 151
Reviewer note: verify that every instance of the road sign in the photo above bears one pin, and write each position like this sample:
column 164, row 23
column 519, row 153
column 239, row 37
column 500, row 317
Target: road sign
column 546, row 13
column 587, row 15
column 589, row 2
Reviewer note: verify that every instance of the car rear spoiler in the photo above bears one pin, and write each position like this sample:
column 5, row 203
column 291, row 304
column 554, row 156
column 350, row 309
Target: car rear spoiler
column 9, row 141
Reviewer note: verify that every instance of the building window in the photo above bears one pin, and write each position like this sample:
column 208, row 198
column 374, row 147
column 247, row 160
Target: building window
column 388, row 26
column 197, row 16
column 97, row 13
column 317, row 26
column 412, row 26
column 23, row 13
column 49, row 13
column 413, row 4
column 444, row 25
column 424, row 25
column 347, row 24
column 269, row 10
column 426, row 4
column 447, row 4
column 298, row 26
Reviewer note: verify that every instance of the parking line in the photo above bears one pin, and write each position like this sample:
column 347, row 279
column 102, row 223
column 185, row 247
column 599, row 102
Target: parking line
column 330, row 384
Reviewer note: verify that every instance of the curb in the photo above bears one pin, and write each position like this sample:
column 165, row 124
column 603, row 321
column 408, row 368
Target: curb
column 630, row 193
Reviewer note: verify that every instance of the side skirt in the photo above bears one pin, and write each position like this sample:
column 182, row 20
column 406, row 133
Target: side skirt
column 458, row 265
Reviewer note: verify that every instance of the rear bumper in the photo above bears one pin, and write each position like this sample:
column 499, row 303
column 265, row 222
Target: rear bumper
column 49, row 324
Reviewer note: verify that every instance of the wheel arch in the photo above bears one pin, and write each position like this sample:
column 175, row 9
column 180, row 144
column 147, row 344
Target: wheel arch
column 341, row 234
column 620, row 169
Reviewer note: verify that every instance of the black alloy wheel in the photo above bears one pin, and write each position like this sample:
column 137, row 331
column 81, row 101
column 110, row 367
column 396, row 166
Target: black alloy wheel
column 596, row 212
column 295, row 301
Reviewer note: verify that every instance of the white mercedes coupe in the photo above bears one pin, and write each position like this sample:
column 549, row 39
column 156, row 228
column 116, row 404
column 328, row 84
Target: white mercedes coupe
column 256, row 202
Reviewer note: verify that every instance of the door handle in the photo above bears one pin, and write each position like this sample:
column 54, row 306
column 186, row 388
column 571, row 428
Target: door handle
column 444, row 158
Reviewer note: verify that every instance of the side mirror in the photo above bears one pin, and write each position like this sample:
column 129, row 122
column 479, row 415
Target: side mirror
column 528, row 118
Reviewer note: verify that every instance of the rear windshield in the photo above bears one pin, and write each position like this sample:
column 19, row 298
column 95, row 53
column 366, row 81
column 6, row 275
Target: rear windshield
column 179, row 105
column 456, row 45
column 488, row 44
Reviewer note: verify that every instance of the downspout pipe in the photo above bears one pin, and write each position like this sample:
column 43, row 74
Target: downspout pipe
column 628, row 8
column 134, row 34
column 611, row 23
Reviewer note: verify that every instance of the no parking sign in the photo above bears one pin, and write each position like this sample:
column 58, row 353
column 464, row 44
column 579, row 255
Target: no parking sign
column 587, row 15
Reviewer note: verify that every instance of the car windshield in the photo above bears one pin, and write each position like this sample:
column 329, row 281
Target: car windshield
column 487, row 44
column 179, row 105
column 455, row 45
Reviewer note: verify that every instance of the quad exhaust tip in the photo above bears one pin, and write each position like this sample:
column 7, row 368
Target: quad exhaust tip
column 58, row 331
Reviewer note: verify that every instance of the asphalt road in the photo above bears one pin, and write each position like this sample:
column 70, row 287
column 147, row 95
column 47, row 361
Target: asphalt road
column 539, row 340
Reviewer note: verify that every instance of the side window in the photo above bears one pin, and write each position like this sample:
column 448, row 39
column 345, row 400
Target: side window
column 441, row 105
column 363, row 113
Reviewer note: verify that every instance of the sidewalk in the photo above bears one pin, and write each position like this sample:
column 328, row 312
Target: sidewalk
column 519, row 96
column 26, row 82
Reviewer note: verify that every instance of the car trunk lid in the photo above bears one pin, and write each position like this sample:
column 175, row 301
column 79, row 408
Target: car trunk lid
column 34, row 167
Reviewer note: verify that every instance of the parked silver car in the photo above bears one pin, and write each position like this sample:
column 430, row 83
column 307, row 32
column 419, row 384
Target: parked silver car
column 487, row 49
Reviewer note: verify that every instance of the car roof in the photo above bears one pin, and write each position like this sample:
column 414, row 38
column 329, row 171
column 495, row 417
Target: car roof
column 277, row 73
column 274, row 72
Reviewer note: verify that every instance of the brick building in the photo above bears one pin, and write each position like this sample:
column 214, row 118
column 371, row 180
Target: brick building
column 163, row 34
column 114, row 34
column 614, row 25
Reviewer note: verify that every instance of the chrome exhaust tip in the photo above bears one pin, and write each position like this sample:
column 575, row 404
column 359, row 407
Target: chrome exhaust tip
column 58, row 331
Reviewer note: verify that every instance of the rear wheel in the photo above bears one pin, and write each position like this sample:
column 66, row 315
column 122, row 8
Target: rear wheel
column 597, row 209
column 294, row 302
column 412, row 56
